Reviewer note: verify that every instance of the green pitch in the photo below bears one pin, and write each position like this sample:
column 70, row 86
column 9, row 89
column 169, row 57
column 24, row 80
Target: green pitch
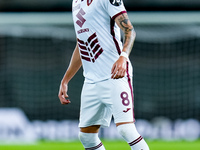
column 110, row 145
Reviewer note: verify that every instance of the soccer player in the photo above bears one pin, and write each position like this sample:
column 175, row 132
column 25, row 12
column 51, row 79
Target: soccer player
column 107, row 89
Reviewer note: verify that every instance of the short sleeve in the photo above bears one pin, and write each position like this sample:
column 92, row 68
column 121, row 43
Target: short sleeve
column 114, row 7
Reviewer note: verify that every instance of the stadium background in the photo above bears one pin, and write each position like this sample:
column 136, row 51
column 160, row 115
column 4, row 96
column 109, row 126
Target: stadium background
column 37, row 39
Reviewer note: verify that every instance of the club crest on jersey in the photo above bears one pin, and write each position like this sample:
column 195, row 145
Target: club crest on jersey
column 116, row 2
column 89, row 2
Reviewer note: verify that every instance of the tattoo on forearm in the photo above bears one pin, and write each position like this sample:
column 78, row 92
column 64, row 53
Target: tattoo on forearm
column 125, row 23
column 128, row 32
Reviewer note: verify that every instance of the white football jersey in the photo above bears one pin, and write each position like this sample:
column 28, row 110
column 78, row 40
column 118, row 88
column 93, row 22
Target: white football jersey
column 98, row 36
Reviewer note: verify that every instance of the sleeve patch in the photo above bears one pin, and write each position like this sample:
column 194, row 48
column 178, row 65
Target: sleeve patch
column 116, row 2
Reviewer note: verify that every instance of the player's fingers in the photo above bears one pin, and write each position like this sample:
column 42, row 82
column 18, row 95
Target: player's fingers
column 114, row 72
column 119, row 73
column 116, row 75
column 65, row 94
column 62, row 96
column 65, row 101
column 122, row 73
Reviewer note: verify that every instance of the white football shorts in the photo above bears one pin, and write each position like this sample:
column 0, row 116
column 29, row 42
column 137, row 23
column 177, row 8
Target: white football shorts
column 102, row 100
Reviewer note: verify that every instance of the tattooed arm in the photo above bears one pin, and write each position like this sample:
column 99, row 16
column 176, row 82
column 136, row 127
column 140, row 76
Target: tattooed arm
column 119, row 67
column 129, row 34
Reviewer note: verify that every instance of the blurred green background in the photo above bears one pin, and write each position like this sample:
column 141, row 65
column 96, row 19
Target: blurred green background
column 36, row 42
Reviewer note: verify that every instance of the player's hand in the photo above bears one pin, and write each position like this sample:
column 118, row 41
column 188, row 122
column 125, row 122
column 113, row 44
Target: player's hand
column 119, row 68
column 63, row 94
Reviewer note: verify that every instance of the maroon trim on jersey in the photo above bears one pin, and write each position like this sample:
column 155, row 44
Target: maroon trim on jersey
column 112, row 24
column 85, row 58
column 95, row 147
column 131, row 88
column 92, row 37
column 90, row 50
column 98, row 53
column 115, row 16
column 82, row 47
column 136, row 141
column 84, row 53
column 89, row 2
column 96, row 48
column 93, row 43
column 80, row 41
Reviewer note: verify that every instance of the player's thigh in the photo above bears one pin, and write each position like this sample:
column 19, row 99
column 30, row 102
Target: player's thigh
column 89, row 105
column 122, row 97
column 93, row 110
